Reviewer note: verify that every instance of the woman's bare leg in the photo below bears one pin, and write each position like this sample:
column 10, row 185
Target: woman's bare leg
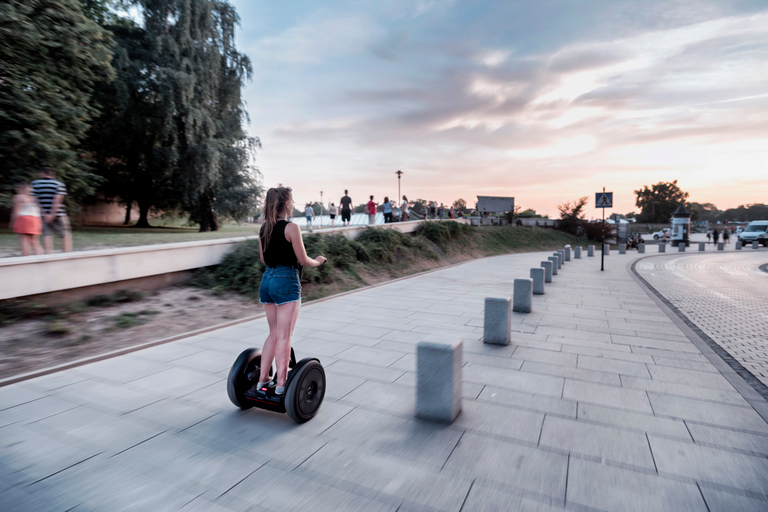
column 268, row 350
column 26, row 248
column 286, row 320
column 37, row 245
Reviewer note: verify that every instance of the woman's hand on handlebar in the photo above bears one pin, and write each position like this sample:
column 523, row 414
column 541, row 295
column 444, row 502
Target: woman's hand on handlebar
column 321, row 259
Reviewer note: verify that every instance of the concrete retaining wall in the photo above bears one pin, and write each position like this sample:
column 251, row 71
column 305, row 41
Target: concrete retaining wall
column 33, row 275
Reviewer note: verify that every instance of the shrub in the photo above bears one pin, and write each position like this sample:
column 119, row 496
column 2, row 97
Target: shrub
column 240, row 270
column 382, row 244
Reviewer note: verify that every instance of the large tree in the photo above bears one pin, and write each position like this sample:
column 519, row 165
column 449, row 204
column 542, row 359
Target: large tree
column 172, row 131
column 658, row 203
column 193, row 44
column 51, row 57
column 572, row 215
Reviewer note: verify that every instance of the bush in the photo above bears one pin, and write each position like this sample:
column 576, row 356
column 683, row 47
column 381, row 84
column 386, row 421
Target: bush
column 441, row 233
column 382, row 245
column 239, row 271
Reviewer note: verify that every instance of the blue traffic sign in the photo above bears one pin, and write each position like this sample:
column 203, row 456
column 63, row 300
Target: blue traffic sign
column 604, row 200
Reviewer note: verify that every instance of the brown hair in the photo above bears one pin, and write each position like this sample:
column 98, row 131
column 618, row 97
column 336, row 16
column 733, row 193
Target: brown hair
column 274, row 202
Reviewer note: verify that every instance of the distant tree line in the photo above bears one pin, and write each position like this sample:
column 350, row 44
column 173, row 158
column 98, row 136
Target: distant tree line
column 147, row 109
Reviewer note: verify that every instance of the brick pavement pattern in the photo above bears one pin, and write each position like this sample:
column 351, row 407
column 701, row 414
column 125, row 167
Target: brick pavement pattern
column 723, row 294
column 599, row 403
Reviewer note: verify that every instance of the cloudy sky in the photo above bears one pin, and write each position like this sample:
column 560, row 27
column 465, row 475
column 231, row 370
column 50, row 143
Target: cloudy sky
column 546, row 101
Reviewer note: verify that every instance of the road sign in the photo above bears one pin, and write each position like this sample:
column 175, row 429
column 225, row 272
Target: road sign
column 604, row 200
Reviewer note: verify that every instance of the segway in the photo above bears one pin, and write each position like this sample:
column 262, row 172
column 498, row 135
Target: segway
column 304, row 388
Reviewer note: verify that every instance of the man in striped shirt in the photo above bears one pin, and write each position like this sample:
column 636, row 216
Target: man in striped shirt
column 50, row 195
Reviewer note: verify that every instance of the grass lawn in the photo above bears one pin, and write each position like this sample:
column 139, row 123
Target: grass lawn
column 86, row 238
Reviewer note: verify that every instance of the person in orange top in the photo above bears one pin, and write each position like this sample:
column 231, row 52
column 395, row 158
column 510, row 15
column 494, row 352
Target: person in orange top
column 26, row 220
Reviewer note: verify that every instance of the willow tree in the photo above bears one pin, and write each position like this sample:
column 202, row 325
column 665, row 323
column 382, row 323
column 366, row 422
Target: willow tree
column 201, row 75
column 51, row 57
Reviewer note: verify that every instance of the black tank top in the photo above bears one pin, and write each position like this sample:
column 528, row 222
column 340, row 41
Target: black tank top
column 280, row 250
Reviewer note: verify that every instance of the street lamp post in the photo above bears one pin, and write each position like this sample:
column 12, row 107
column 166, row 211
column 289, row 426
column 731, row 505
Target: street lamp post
column 399, row 197
column 321, row 208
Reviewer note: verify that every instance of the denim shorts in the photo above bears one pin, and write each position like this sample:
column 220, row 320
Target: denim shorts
column 280, row 285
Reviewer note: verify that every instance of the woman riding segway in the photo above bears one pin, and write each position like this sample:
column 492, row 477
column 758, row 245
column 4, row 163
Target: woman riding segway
column 250, row 381
column 282, row 250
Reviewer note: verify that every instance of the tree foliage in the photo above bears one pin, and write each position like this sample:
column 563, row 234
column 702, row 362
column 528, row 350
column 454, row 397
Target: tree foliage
column 658, row 203
column 172, row 131
column 572, row 214
column 51, row 57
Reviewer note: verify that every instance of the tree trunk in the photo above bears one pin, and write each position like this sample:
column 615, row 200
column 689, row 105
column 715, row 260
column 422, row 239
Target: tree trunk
column 128, row 207
column 143, row 214
column 208, row 221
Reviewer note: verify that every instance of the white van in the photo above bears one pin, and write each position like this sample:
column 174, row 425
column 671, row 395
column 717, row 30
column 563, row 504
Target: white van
column 755, row 230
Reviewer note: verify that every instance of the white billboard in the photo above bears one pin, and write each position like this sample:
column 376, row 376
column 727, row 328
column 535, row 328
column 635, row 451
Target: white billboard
column 492, row 204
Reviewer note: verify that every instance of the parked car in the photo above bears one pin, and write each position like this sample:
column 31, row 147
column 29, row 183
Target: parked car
column 755, row 230
column 664, row 233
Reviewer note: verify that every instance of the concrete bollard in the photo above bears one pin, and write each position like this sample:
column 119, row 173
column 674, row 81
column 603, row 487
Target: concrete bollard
column 640, row 248
column 701, row 246
column 577, row 252
column 567, row 253
column 607, row 250
column 438, row 380
column 681, row 248
column 558, row 260
column 662, row 247
column 755, row 245
column 622, row 249
column 590, row 251
column 547, row 266
column 720, row 246
column 522, row 299
column 561, row 253
column 537, row 274
column 738, row 245
column 498, row 316
column 553, row 259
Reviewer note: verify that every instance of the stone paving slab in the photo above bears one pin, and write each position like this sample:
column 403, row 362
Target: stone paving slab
column 601, row 402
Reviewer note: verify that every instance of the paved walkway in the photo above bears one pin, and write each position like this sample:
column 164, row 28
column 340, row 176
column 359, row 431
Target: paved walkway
column 723, row 294
column 602, row 402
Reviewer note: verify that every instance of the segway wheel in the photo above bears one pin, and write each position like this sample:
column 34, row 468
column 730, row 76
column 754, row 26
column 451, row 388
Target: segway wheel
column 305, row 391
column 244, row 372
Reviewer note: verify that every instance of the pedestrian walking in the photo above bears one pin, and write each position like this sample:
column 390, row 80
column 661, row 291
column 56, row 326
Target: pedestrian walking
column 450, row 213
column 371, row 210
column 709, row 236
column 404, row 210
column 441, row 211
column 726, row 236
column 281, row 249
column 332, row 214
column 715, row 236
column 346, row 209
column 387, row 210
column 432, row 210
column 26, row 220
column 50, row 193
column 309, row 213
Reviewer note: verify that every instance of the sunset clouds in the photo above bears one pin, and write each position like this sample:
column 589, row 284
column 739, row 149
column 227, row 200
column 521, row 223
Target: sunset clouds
column 546, row 101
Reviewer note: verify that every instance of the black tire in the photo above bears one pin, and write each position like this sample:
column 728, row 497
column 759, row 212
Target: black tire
column 305, row 391
column 655, row 237
column 244, row 372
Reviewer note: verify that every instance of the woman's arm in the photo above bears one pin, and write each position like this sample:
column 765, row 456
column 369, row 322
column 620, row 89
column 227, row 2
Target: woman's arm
column 261, row 251
column 293, row 235
column 15, row 210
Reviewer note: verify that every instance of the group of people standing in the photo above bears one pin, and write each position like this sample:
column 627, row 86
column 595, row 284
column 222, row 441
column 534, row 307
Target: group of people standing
column 388, row 208
column 714, row 236
column 38, row 209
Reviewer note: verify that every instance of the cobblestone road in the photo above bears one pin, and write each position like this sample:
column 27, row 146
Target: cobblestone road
column 724, row 294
